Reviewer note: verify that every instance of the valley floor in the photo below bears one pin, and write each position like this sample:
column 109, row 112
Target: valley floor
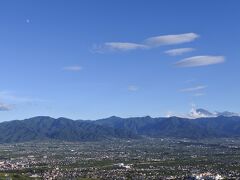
column 122, row 159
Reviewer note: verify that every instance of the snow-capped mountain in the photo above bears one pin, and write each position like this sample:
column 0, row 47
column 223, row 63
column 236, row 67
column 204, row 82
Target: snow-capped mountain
column 200, row 113
column 226, row 114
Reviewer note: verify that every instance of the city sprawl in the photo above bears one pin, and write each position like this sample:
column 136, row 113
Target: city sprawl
column 149, row 158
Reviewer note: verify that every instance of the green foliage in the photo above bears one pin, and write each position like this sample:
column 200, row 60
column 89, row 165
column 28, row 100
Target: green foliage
column 45, row 128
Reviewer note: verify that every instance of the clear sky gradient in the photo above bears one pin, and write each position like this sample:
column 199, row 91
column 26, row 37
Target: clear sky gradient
column 89, row 59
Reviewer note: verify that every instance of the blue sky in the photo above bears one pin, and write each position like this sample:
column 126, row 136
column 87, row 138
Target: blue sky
column 91, row 59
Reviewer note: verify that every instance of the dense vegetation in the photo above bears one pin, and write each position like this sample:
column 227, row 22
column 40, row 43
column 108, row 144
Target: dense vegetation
column 43, row 128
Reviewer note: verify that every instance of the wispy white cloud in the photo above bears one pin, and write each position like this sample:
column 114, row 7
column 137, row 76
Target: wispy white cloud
column 124, row 46
column 5, row 107
column 12, row 97
column 72, row 68
column 199, row 94
column 179, row 51
column 192, row 114
column 192, row 89
column 196, row 61
column 170, row 114
column 133, row 88
column 195, row 113
column 171, row 39
column 118, row 46
column 147, row 43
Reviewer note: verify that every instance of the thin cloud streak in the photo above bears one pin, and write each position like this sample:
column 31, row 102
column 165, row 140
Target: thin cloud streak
column 199, row 94
column 192, row 89
column 179, row 51
column 5, row 107
column 147, row 43
column 124, row 46
column 171, row 39
column 118, row 46
column 72, row 68
column 196, row 61
column 9, row 96
column 133, row 88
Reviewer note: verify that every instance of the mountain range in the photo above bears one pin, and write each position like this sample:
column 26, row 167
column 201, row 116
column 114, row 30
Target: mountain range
column 47, row 128
column 205, row 113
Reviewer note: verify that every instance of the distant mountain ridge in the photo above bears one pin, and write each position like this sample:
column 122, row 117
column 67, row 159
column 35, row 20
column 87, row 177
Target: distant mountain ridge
column 200, row 112
column 45, row 128
column 42, row 128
